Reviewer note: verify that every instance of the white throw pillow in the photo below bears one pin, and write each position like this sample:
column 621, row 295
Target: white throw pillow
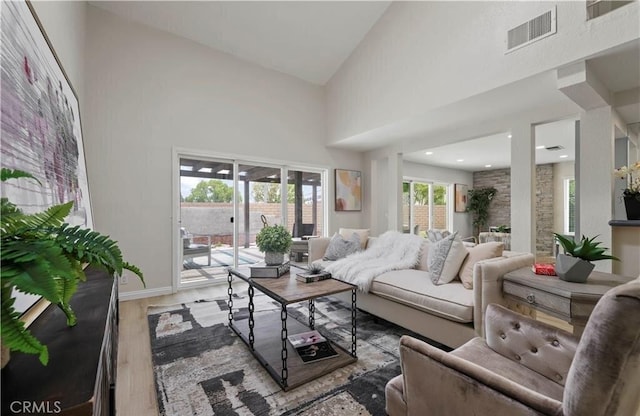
column 445, row 258
column 363, row 233
column 339, row 247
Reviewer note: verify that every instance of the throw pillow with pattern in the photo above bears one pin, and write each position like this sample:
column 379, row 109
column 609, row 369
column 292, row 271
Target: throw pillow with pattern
column 445, row 258
column 340, row 247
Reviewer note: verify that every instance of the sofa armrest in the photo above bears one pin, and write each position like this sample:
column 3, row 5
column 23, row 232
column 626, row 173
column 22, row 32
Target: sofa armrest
column 317, row 248
column 487, row 283
column 438, row 383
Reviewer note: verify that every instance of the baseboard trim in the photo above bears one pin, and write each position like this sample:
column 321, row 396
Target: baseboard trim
column 145, row 293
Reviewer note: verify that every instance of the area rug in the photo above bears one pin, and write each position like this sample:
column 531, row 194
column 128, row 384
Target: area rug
column 202, row 368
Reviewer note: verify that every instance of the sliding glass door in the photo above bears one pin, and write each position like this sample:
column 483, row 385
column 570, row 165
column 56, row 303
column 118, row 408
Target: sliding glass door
column 223, row 204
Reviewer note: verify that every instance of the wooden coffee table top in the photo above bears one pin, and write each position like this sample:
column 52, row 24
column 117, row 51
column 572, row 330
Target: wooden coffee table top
column 286, row 289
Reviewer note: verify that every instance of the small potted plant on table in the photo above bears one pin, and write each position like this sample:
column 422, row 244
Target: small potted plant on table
column 274, row 241
column 575, row 264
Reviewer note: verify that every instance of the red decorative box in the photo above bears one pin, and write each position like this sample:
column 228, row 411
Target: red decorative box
column 545, row 269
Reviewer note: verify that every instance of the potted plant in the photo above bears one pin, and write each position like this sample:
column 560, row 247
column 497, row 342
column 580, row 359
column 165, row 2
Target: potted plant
column 42, row 255
column 575, row 264
column 274, row 241
column 631, row 193
column 478, row 204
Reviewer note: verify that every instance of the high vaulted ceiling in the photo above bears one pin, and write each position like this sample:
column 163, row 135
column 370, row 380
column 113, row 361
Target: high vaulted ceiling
column 311, row 39
column 306, row 39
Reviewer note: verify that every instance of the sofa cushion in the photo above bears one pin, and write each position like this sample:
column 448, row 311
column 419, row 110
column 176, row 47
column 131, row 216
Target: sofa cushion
column 363, row 233
column 414, row 288
column 445, row 258
column 482, row 251
column 340, row 247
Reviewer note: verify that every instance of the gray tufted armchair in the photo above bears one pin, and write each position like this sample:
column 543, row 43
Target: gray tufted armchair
column 525, row 367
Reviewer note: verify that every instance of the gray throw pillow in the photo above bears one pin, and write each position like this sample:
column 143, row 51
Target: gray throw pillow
column 339, row 247
column 445, row 258
column 436, row 235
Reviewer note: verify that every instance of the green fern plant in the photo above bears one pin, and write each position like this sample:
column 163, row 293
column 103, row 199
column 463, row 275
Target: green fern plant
column 42, row 255
column 586, row 249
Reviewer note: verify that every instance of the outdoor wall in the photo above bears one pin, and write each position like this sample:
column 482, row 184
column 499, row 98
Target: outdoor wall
column 212, row 219
column 421, row 56
column 500, row 208
column 149, row 92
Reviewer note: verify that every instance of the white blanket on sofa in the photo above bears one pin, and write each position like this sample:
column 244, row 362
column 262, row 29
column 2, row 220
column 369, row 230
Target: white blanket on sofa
column 391, row 251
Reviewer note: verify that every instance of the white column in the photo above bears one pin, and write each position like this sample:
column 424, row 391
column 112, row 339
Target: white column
column 523, row 185
column 595, row 181
column 394, row 194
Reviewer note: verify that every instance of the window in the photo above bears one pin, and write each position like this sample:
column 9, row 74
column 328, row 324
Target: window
column 425, row 206
column 570, row 206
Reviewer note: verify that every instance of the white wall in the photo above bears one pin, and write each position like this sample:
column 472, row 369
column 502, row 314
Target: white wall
column 148, row 91
column 460, row 221
column 424, row 55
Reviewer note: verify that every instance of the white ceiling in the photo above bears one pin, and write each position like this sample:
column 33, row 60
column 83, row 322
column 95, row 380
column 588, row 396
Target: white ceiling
column 311, row 39
column 495, row 150
column 307, row 39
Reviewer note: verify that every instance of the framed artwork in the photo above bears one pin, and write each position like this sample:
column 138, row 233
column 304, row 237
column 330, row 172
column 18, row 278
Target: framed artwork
column 461, row 197
column 41, row 131
column 348, row 190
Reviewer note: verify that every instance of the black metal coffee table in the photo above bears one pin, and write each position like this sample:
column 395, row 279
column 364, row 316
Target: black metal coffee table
column 259, row 331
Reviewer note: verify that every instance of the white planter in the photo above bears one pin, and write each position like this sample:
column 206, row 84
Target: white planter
column 573, row 269
column 273, row 259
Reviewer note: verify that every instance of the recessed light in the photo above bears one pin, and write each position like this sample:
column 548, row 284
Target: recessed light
column 205, row 170
column 509, row 136
column 186, row 167
column 428, row 153
column 564, row 156
column 459, row 160
column 540, row 147
column 223, row 172
column 487, row 166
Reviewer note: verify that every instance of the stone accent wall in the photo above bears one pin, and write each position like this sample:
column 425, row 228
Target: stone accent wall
column 544, row 210
column 500, row 209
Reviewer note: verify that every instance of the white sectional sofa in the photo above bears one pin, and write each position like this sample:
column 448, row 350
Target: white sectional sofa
column 447, row 313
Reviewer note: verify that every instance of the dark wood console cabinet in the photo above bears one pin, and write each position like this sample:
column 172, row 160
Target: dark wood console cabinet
column 81, row 375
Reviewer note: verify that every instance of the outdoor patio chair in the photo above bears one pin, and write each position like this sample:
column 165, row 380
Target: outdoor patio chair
column 307, row 230
column 191, row 249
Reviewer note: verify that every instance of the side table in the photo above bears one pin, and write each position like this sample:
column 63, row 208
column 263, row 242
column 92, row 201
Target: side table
column 571, row 302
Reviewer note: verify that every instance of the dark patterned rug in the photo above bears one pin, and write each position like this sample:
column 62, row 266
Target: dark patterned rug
column 202, row 368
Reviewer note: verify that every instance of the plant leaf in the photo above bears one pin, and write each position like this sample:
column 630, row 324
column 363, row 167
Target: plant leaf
column 14, row 334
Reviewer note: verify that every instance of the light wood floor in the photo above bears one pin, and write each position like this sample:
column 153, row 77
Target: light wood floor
column 135, row 389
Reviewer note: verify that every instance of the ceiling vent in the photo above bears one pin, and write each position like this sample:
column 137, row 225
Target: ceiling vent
column 554, row 148
column 535, row 29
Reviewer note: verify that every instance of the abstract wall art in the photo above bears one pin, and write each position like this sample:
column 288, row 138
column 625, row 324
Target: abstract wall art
column 461, row 192
column 348, row 190
column 41, row 131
